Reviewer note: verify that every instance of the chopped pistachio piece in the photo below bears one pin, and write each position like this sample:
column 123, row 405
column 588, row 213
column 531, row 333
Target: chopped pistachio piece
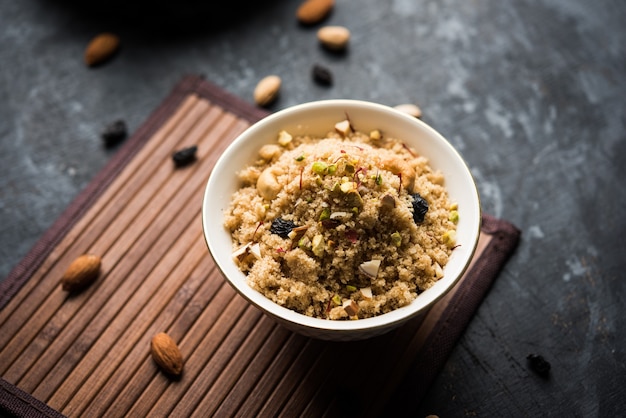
column 353, row 198
column 317, row 245
column 304, row 242
column 336, row 299
column 319, row 167
column 454, row 206
column 396, row 239
column 449, row 238
column 325, row 214
column 454, row 216
column 350, row 288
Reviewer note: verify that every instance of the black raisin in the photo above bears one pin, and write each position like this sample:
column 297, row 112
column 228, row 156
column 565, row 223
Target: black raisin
column 114, row 133
column 281, row 227
column 330, row 223
column 185, row 156
column 539, row 365
column 420, row 207
column 322, row 75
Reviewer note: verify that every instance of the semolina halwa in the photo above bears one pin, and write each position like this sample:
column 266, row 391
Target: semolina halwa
column 348, row 226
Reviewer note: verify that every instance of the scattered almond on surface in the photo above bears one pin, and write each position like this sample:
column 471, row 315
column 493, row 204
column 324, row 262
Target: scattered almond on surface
column 166, row 354
column 267, row 90
column 334, row 38
column 313, row 11
column 81, row 272
column 101, row 48
column 409, row 109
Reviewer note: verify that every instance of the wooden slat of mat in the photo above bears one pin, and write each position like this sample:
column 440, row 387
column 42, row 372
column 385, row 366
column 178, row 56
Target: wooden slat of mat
column 230, row 328
column 119, row 250
column 210, row 323
column 176, row 203
column 274, row 374
column 36, row 291
column 258, row 368
column 44, row 296
column 238, row 362
column 137, row 371
column 193, row 110
column 136, row 366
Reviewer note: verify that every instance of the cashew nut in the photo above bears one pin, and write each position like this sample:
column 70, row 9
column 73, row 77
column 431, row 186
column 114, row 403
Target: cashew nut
column 267, row 185
column 403, row 168
column 269, row 151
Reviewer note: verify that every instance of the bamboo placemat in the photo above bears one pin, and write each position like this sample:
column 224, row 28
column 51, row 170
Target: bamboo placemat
column 88, row 354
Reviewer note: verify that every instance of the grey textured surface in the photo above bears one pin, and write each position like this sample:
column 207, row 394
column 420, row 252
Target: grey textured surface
column 531, row 93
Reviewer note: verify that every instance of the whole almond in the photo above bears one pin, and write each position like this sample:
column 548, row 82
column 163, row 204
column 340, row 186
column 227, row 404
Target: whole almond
column 334, row 37
column 81, row 272
column 101, row 48
column 267, row 90
column 166, row 354
column 313, row 11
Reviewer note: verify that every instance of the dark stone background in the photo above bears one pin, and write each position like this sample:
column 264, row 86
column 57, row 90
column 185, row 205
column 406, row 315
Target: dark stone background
column 530, row 92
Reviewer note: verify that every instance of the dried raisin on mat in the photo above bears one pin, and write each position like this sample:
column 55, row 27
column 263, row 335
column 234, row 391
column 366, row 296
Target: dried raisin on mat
column 185, row 156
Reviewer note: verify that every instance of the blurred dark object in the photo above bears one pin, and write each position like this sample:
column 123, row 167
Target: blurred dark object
column 161, row 17
column 539, row 365
column 114, row 133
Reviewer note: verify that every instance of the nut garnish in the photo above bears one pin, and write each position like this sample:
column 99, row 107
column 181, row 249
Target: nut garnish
column 267, row 90
column 409, row 109
column 166, row 354
column 101, row 48
column 370, row 268
column 350, row 307
column 314, row 11
column 343, row 127
column 334, row 38
column 81, row 273
column 366, row 292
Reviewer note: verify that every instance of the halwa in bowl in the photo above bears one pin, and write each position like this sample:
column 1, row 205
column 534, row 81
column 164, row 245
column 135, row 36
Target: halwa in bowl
column 341, row 219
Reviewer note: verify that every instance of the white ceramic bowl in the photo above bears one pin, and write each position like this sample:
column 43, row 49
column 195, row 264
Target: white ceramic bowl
column 317, row 118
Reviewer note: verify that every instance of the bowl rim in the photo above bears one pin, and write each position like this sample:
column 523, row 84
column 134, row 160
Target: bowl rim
column 387, row 320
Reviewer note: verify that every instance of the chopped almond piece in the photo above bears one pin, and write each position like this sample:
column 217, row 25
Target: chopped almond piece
column 370, row 268
column 350, row 307
column 343, row 127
